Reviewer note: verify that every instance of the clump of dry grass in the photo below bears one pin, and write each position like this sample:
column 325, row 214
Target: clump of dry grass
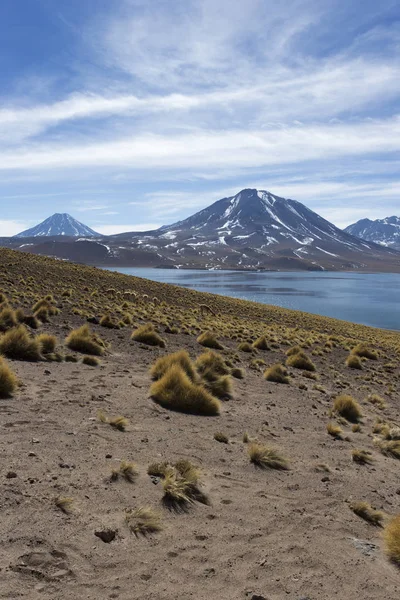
column 117, row 422
column 143, row 521
column 300, row 361
column 362, row 457
column 126, row 470
column 17, row 343
column 277, row 373
column 214, row 372
column 261, row 343
column 181, row 358
column 64, row 503
column 391, row 537
column 83, row 340
column 364, row 351
column 209, row 340
column 181, row 484
column 146, row 334
column 356, row 428
column 8, row 381
column 221, row 437
column 366, row 512
column 91, row 361
column 294, row 350
column 176, row 391
column 377, row 400
column 108, row 322
column 348, row 408
column 266, row 457
column 390, row 448
column 47, row 343
column 334, row 430
column 245, row 347
column 353, row 362
column 158, row 469
column 237, row 373
column 8, row 319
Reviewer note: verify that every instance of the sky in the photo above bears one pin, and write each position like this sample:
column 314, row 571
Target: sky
column 132, row 114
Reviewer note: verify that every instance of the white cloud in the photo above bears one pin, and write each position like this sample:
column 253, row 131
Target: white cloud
column 11, row 227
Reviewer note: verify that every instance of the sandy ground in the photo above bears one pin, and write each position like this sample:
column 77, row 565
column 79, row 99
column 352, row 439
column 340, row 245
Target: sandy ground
column 268, row 534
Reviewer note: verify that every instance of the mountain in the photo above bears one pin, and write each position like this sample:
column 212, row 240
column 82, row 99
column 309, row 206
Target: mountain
column 382, row 231
column 252, row 230
column 59, row 224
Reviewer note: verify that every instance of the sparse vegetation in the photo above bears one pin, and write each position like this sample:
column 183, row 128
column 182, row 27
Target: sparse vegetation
column 348, row 408
column 146, row 334
column 47, row 343
column 266, row 457
column 362, row 457
column 366, row 512
column 17, row 343
column 221, row 437
column 353, row 362
column 91, row 361
column 83, row 340
column 64, row 503
column 277, row 373
column 177, row 392
column 143, row 521
column 8, row 381
column 209, row 340
column 391, row 537
column 300, row 361
column 334, row 430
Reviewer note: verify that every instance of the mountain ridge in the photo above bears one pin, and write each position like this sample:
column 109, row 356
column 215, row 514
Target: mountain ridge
column 59, row 224
column 252, row 230
column 381, row 231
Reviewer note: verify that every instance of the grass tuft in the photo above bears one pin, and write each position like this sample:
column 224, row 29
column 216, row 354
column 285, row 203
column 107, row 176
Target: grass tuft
column 277, row 373
column 334, row 430
column 176, row 391
column 300, row 361
column 181, row 358
column 17, row 343
column 8, row 381
column 221, row 437
column 143, row 521
column 348, row 408
column 391, row 537
column 209, row 340
column 83, row 340
column 362, row 457
column 266, row 457
column 366, row 512
column 64, row 503
column 146, row 334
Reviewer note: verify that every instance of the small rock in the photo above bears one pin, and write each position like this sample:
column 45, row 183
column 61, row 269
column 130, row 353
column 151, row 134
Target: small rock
column 210, row 572
column 35, row 441
column 11, row 475
column 47, row 372
column 108, row 455
column 32, row 454
column 106, row 535
column 258, row 597
column 324, row 479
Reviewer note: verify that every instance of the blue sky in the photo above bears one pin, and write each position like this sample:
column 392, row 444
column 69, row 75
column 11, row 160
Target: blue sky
column 130, row 114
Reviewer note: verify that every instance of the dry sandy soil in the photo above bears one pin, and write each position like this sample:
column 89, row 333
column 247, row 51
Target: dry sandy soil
column 266, row 534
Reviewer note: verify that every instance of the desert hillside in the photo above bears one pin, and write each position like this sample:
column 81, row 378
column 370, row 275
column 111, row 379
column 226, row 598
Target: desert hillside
column 161, row 443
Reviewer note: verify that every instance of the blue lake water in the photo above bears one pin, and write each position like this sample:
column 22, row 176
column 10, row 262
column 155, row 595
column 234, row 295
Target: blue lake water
column 370, row 299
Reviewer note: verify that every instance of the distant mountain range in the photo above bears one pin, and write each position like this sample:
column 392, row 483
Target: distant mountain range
column 382, row 231
column 59, row 224
column 253, row 230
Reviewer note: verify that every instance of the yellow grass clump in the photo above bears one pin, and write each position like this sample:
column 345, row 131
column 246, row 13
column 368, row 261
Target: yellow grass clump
column 209, row 340
column 143, row 521
column 266, row 457
column 300, row 361
column 261, row 343
column 353, row 362
column 8, row 319
column 362, row 457
column 83, row 340
column 47, row 342
column 17, row 343
column 91, row 361
column 364, row 351
column 366, row 512
column 176, row 391
column 146, row 334
column 391, row 537
column 348, row 408
column 181, row 358
column 8, row 381
column 334, row 430
column 277, row 373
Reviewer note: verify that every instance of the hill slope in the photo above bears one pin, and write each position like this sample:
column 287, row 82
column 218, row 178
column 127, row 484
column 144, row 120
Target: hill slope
column 260, row 526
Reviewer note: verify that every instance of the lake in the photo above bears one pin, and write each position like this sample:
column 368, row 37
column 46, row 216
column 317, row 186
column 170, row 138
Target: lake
column 369, row 299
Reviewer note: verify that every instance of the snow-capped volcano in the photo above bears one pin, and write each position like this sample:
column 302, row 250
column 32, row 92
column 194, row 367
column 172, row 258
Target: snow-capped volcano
column 382, row 231
column 59, row 224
